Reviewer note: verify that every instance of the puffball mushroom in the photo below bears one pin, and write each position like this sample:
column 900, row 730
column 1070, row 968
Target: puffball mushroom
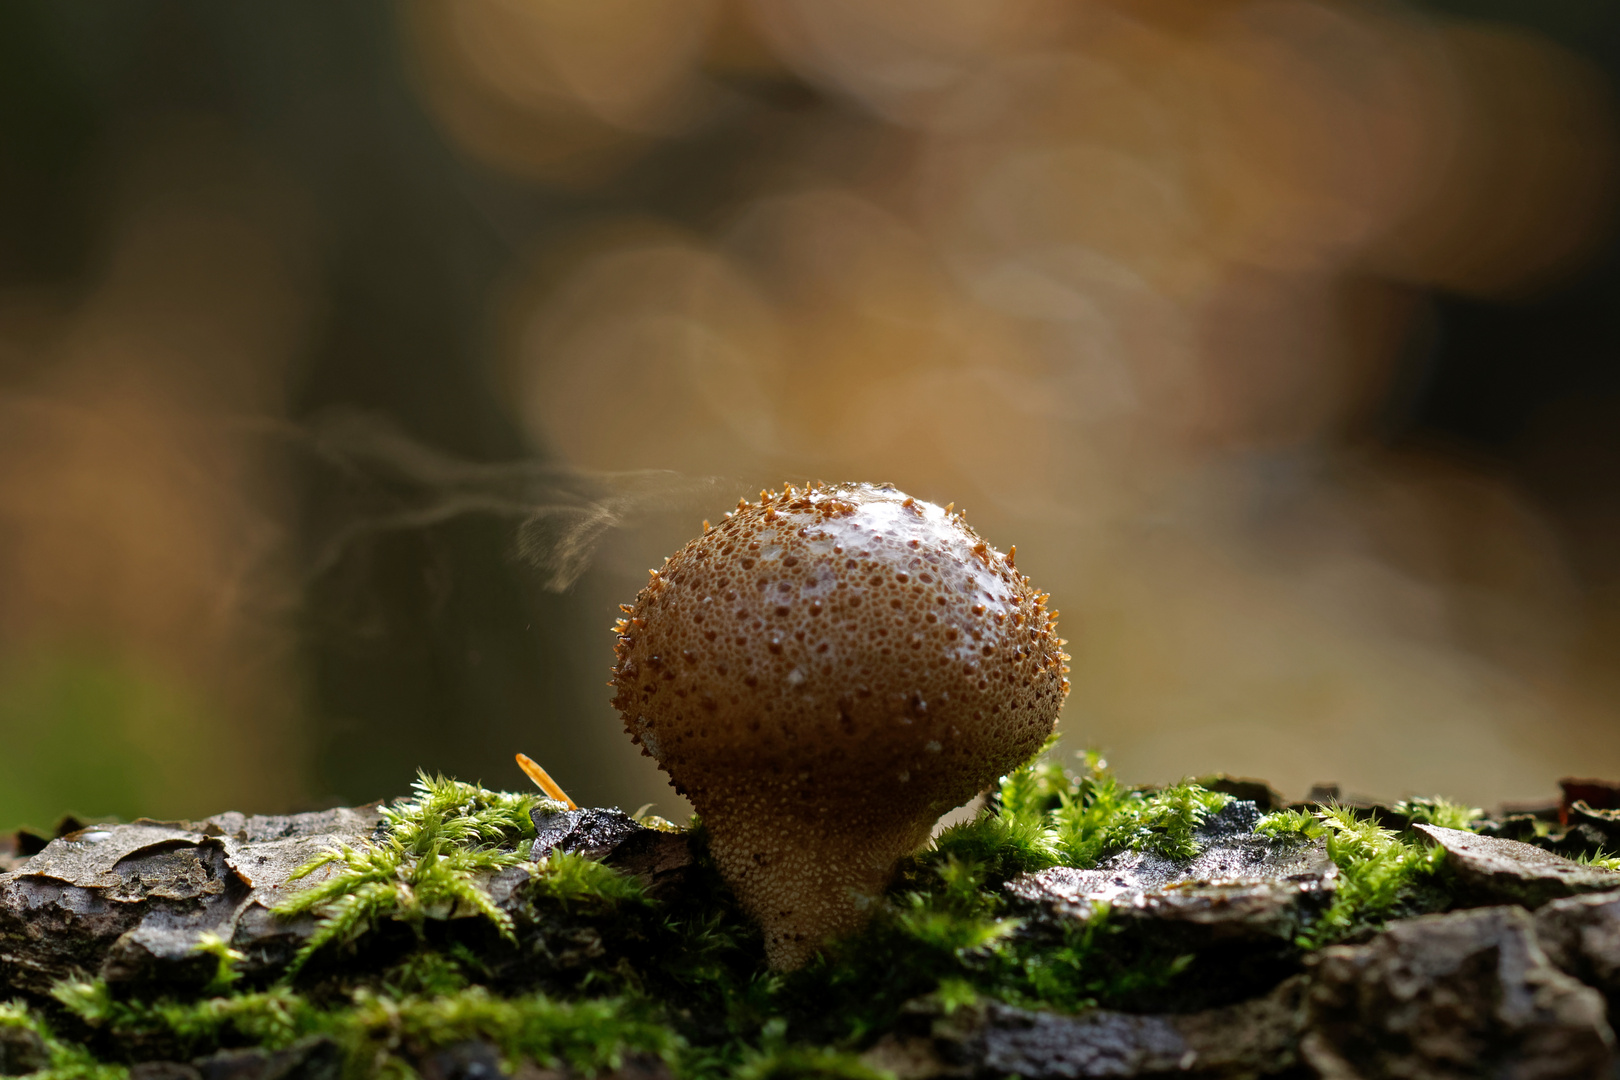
column 823, row 675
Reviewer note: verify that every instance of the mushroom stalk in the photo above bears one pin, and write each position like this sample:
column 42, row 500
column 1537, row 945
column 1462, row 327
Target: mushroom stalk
column 804, row 883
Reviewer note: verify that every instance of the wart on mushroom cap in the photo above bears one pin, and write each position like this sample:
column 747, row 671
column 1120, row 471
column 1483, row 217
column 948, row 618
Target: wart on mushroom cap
column 823, row 675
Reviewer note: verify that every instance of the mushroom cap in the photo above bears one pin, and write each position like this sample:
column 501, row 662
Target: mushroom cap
column 845, row 644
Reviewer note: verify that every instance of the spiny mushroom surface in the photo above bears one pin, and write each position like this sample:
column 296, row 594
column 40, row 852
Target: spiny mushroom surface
column 823, row 675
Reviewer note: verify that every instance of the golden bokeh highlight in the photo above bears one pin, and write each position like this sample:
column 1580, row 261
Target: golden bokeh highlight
column 561, row 91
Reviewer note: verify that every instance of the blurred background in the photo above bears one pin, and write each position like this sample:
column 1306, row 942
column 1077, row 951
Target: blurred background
column 357, row 359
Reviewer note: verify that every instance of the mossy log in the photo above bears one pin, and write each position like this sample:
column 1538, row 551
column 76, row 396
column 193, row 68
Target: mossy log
column 1078, row 927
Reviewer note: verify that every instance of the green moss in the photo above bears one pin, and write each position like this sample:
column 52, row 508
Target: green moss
column 583, row 968
column 573, row 881
column 1438, row 811
column 589, row 1035
column 1049, row 817
column 429, row 866
column 1301, row 823
column 1382, row 873
column 806, row 1063
column 946, row 930
column 1002, row 845
column 1600, row 858
column 270, row 1018
column 67, row 1060
column 1103, row 816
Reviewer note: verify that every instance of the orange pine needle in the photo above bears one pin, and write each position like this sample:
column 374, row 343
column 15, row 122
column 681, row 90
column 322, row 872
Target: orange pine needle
column 542, row 780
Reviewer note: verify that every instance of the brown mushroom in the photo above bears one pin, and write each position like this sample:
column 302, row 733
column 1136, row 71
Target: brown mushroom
column 823, row 675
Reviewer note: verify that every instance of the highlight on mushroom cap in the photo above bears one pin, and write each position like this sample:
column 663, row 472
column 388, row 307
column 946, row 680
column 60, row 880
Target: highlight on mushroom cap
column 828, row 670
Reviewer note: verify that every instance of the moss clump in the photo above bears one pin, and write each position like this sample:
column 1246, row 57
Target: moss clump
column 1048, row 816
column 1382, row 873
column 581, row 968
column 65, row 1059
column 1438, row 811
column 428, row 865
column 376, row 1025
